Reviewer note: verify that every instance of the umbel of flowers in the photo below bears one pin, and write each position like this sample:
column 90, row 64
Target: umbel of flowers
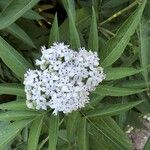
column 64, row 79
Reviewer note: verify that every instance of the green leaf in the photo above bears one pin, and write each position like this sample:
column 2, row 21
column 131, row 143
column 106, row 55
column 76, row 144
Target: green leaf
column 74, row 36
column 135, row 84
column 30, row 14
column 9, row 132
column 105, row 90
column 93, row 36
column 19, row 33
column 82, row 135
column 17, row 115
column 120, row 72
column 83, row 19
column 121, row 118
column 15, row 61
column 53, row 131
column 144, row 46
column 33, row 15
column 94, row 101
column 69, row 4
column 113, row 3
column 54, row 34
column 106, row 134
column 14, row 105
column 113, row 109
column 71, row 126
column 133, row 118
column 96, row 4
column 147, row 145
column 35, row 133
column 14, row 10
column 12, row 89
column 115, row 47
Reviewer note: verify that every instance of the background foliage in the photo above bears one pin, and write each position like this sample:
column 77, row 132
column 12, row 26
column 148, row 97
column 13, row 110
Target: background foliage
column 120, row 33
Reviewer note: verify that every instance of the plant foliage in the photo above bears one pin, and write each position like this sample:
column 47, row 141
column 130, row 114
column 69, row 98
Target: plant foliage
column 117, row 30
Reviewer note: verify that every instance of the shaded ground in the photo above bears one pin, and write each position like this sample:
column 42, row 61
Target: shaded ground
column 139, row 137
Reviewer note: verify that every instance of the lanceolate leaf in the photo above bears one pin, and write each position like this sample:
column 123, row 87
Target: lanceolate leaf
column 15, row 30
column 53, row 131
column 15, row 61
column 74, row 36
column 135, row 84
column 107, row 134
column 83, row 19
column 145, row 45
column 54, row 34
column 35, row 133
column 69, row 4
column 120, row 72
column 113, row 3
column 7, row 133
column 17, row 115
column 14, row 105
column 115, row 47
column 147, row 145
column 14, row 10
column 93, row 36
column 105, row 90
column 12, row 89
column 72, row 121
column 33, row 15
column 113, row 109
column 82, row 137
column 30, row 14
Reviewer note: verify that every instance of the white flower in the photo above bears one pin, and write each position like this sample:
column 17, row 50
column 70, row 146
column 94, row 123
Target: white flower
column 64, row 80
column 29, row 104
column 147, row 117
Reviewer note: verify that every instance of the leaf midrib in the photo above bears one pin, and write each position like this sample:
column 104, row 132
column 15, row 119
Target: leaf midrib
column 19, row 12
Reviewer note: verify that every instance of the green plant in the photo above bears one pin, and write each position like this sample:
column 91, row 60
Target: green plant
column 124, row 56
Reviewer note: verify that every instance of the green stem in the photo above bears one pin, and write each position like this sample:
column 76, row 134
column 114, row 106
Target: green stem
column 43, row 142
column 119, row 13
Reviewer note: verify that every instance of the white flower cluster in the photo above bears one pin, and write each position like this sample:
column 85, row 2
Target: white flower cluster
column 147, row 117
column 64, row 80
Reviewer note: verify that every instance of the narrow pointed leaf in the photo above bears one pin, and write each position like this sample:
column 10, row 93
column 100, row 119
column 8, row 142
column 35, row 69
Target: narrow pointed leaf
column 135, row 84
column 115, row 46
column 74, row 36
column 15, row 61
column 35, row 133
column 71, row 125
column 54, row 34
column 33, row 15
column 17, row 115
column 14, row 10
column 9, row 132
column 19, row 33
column 82, row 137
column 107, row 134
column 30, row 14
column 83, row 19
column 144, row 46
column 69, row 4
column 147, row 145
column 105, row 90
column 53, row 131
column 93, row 36
column 120, row 72
column 111, row 110
column 12, row 89
column 14, row 105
